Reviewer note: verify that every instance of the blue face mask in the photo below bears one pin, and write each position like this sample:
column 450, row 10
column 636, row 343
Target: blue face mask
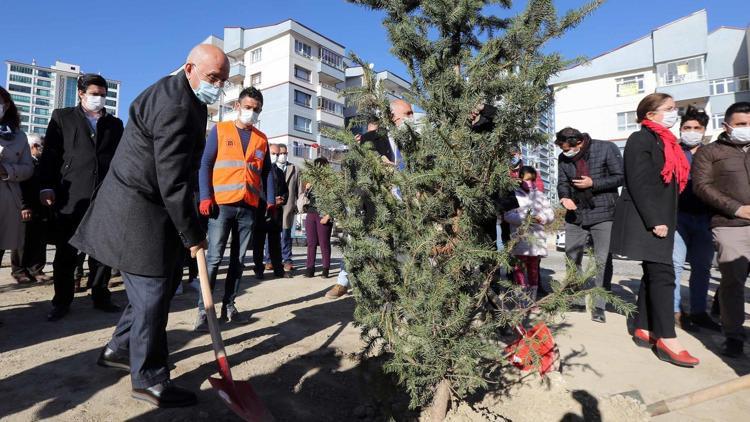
column 515, row 160
column 207, row 93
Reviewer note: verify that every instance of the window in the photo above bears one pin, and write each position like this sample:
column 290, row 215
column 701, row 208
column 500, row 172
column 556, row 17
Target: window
column 256, row 55
column 23, row 108
column 331, row 59
column 19, row 88
column 71, row 92
column 41, row 111
column 255, row 79
column 42, row 82
column 25, row 128
column 20, row 98
column 21, row 79
column 330, row 106
column 730, row 85
column 717, row 120
column 43, row 73
column 24, row 118
column 21, row 69
column 39, row 130
column 302, row 124
column 301, row 73
column 41, row 102
column 111, row 85
column 681, row 71
column 41, row 120
column 112, row 111
column 303, row 99
column 42, row 92
column 111, row 94
column 302, row 49
column 111, row 103
column 626, row 121
column 630, row 85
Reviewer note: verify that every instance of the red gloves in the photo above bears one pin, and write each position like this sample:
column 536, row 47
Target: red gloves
column 205, row 206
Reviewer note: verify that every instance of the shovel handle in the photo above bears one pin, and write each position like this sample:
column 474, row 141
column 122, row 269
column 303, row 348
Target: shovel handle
column 710, row 393
column 213, row 323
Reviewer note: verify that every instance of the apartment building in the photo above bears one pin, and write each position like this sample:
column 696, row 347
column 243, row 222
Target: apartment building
column 543, row 157
column 37, row 90
column 706, row 69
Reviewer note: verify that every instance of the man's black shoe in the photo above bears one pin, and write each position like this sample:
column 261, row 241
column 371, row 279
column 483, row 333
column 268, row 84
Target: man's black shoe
column 57, row 313
column 108, row 358
column 732, row 348
column 107, row 307
column 259, row 275
column 279, row 274
column 597, row 315
column 704, row 320
column 165, row 394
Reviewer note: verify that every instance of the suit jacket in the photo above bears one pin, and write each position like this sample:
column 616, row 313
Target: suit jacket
column 292, row 179
column 75, row 158
column 646, row 202
column 379, row 141
column 275, row 216
column 143, row 215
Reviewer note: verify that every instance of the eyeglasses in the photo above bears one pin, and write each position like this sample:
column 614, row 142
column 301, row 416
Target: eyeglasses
column 213, row 80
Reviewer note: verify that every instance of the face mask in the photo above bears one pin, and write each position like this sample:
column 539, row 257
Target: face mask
column 515, row 161
column 282, row 159
column 274, row 158
column 527, row 185
column 207, row 93
column 670, row 118
column 248, row 117
column 691, row 139
column 570, row 153
column 740, row 135
column 94, row 103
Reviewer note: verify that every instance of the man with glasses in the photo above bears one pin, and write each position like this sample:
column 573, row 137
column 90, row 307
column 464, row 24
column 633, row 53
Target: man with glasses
column 144, row 216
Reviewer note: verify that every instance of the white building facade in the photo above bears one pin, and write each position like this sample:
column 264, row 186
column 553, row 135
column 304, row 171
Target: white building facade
column 708, row 70
column 37, row 90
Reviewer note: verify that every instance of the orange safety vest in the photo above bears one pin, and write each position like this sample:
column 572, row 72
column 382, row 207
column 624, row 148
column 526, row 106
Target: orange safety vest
column 237, row 176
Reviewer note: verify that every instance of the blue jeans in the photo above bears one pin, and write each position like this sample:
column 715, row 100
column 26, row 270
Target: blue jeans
column 241, row 220
column 693, row 243
column 286, row 245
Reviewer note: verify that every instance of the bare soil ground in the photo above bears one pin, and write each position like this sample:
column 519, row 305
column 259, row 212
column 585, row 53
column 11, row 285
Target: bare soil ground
column 298, row 353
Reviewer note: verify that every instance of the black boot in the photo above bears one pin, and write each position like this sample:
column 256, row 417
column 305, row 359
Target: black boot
column 310, row 272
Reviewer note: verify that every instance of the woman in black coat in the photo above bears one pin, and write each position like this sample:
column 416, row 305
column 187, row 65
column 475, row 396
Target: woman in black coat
column 656, row 171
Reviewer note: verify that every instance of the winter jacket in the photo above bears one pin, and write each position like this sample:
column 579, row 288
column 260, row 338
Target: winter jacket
column 606, row 172
column 721, row 178
column 15, row 156
column 534, row 241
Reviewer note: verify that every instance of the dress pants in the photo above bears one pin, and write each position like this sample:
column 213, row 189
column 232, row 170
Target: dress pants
column 286, row 245
column 575, row 244
column 733, row 245
column 318, row 233
column 65, row 262
column 655, row 300
column 267, row 232
column 142, row 330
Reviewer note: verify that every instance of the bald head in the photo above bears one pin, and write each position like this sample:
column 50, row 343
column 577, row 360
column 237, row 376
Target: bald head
column 400, row 111
column 206, row 62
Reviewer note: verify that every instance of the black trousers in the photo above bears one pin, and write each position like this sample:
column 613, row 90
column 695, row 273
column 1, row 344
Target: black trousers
column 656, row 300
column 30, row 259
column 65, row 263
column 267, row 229
column 142, row 329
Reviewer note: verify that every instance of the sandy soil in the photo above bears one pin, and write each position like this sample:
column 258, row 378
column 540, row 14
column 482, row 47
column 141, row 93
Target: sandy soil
column 298, row 353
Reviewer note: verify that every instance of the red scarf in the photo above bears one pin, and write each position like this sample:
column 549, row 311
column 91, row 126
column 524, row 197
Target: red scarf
column 675, row 163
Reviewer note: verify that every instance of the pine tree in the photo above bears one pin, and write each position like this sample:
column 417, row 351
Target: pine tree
column 424, row 273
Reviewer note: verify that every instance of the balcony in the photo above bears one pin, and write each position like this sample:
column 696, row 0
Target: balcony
column 686, row 91
column 307, row 152
column 236, row 73
column 330, row 92
column 327, row 72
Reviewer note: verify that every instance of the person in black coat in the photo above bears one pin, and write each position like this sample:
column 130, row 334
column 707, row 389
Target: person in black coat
column 143, row 217
column 589, row 173
column 656, row 170
column 269, row 222
column 79, row 145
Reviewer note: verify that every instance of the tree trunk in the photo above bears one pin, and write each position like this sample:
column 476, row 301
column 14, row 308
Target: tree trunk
column 439, row 406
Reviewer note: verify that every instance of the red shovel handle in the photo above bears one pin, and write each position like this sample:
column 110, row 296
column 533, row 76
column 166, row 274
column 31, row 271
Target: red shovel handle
column 213, row 323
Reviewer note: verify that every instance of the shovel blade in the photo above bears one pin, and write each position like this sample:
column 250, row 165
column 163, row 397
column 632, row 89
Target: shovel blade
column 242, row 399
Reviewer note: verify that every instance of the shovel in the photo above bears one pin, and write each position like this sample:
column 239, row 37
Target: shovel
column 238, row 395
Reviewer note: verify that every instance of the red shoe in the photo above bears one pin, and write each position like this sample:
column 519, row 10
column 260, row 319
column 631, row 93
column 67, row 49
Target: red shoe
column 683, row 358
column 641, row 339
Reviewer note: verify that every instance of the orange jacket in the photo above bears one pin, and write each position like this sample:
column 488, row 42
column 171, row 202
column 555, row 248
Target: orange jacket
column 237, row 176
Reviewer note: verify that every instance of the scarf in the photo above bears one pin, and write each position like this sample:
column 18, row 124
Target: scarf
column 675, row 163
column 582, row 197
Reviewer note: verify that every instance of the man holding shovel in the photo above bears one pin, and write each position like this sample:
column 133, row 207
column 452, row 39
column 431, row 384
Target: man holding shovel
column 143, row 216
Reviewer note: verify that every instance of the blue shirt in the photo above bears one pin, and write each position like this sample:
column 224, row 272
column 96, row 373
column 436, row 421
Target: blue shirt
column 205, row 173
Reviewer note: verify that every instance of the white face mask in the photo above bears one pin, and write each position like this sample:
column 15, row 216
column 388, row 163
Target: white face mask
column 570, row 153
column 282, row 159
column 670, row 118
column 691, row 139
column 248, row 117
column 274, row 158
column 740, row 135
column 93, row 103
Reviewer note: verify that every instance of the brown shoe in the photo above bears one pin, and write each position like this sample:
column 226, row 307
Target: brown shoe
column 269, row 267
column 288, row 267
column 42, row 278
column 337, row 291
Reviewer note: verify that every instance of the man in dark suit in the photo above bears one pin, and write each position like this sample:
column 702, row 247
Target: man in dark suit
column 79, row 146
column 143, row 217
column 291, row 177
column 269, row 221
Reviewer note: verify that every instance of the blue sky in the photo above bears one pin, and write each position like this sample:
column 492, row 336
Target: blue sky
column 139, row 41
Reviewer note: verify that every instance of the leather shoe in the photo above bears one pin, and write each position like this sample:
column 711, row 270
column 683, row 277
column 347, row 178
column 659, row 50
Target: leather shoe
column 597, row 315
column 42, row 277
column 165, row 394
column 107, row 307
column 704, row 320
column 642, row 339
column 108, row 358
column 57, row 313
column 683, row 358
column 309, row 272
column 732, row 348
